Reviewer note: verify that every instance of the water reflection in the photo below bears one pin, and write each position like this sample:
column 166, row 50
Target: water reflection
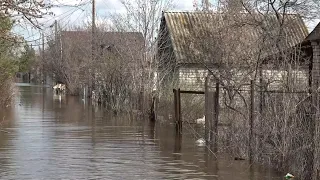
column 61, row 138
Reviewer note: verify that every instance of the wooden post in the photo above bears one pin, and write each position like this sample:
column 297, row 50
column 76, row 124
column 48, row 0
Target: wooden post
column 179, row 111
column 177, row 146
column 214, row 127
column 141, row 102
column 175, row 109
column 207, row 111
column 152, row 115
column 261, row 105
column 251, row 119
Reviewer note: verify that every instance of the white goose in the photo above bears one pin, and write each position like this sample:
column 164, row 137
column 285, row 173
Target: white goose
column 201, row 142
column 289, row 176
column 201, row 120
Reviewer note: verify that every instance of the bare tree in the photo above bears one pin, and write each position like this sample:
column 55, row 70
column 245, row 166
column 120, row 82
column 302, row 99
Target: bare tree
column 26, row 10
column 116, row 71
column 12, row 12
column 252, row 40
column 144, row 17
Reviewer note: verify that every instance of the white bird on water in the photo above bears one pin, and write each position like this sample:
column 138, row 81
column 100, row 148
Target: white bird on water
column 201, row 120
column 201, row 142
column 289, row 176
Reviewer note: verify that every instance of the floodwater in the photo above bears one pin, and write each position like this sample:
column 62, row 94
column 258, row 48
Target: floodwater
column 47, row 137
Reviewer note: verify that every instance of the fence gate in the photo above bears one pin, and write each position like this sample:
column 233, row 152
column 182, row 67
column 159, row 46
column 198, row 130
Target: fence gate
column 211, row 104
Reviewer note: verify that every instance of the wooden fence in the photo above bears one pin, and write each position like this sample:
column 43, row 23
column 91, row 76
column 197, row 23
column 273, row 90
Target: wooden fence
column 212, row 107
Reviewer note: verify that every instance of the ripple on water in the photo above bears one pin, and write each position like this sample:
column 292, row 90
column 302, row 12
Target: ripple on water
column 53, row 140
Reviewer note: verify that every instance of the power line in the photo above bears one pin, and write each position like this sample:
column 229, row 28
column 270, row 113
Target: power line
column 50, row 35
column 64, row 16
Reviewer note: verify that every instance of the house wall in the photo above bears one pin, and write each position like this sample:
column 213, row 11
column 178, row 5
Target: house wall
column 193, row 78
column 281, row 79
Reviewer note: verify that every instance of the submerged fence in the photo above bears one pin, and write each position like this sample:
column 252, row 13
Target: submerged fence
column 272, row 127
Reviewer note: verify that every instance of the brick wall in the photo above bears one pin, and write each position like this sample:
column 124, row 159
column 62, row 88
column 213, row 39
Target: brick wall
column 192, row 78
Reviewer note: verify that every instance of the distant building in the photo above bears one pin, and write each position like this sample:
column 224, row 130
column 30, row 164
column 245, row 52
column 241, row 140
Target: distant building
column 76, row 55
column 126, row 46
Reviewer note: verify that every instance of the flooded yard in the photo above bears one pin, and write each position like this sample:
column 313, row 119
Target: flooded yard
column 48, row 137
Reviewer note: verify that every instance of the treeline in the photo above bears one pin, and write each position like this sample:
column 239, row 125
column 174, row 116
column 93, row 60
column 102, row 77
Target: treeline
column 111, row 76
column 15, row 53
column 115, row 65
column 15, row 56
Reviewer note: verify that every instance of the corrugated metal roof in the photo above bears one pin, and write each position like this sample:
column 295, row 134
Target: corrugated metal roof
column 208, row 35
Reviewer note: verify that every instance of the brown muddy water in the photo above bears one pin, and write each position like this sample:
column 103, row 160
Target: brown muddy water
column 47, row 137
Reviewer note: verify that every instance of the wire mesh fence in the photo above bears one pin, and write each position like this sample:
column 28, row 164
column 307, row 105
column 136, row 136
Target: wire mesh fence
column 272, row 127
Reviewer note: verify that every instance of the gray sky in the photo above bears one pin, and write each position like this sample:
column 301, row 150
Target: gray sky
column 67, row 15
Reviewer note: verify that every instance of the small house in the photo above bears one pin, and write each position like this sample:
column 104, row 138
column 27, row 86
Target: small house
column 193, row 44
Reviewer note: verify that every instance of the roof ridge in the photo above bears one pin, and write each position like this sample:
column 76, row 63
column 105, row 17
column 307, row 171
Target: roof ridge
column 89, row 31
column 187, row 11
column 213, row 12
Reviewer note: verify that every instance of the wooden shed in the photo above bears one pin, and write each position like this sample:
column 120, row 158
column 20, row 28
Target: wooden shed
column 190, row 43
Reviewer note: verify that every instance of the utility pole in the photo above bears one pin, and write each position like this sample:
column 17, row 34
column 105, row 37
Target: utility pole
column 56, row 50
column 93, row 28
column 43, row 76
column 93, row 46
column 56, row 30
column 29, row 74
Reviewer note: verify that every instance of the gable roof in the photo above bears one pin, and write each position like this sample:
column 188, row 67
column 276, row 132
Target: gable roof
column 315, row 34
column 190, row 31
column 125, row 43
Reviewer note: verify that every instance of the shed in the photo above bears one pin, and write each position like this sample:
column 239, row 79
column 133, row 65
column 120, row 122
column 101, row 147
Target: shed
column 190, row 43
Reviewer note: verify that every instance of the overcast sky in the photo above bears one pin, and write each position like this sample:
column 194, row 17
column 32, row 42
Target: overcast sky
column 67, row 15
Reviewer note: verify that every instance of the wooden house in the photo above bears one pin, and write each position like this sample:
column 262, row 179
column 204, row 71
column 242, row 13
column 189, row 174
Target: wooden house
column 191, row 43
